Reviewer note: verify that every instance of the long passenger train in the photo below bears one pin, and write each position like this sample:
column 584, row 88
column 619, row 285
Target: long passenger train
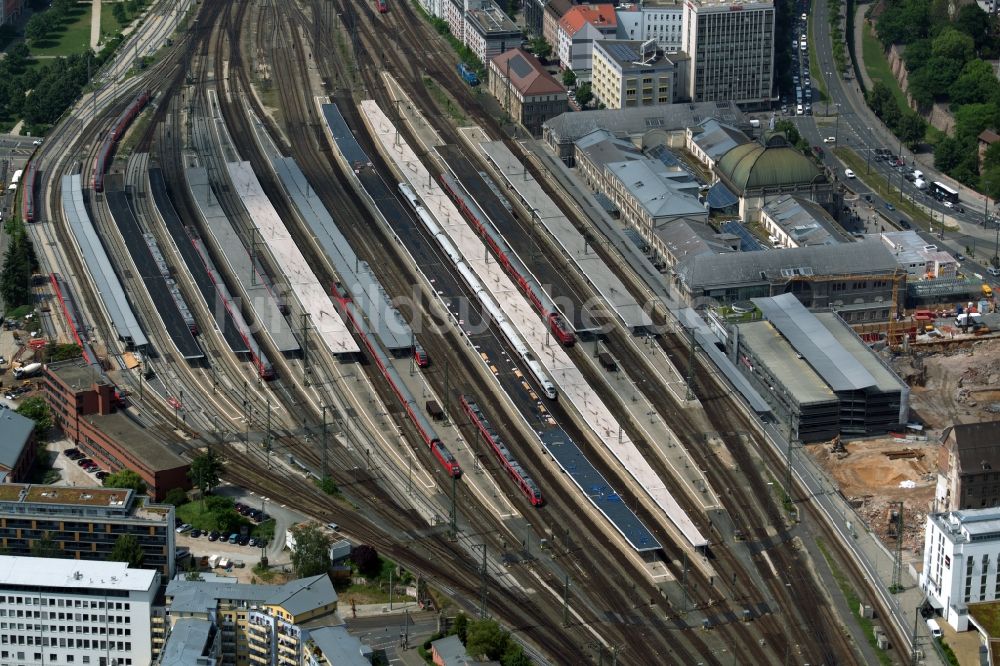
column 111, row 139
column 507, row 459
column 490, row 305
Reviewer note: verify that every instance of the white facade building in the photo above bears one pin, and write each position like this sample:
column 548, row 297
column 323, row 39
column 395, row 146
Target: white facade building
column 482, row 26
column 961, row 558
column 435, row 8
column 732, row 50
column 60, row 612
column 661, row 20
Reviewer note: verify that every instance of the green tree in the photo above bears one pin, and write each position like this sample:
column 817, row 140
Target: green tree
column 45, row 547
column 948, row 154
column 191, row 575
column 127, row 549
column 975, row 23
column 37, row 410
column 126, row 478
column 206, row 471
column 63, row 352
column 910, row 128
column 884, row 105
column 312, row 550
column 15, row 280
column 176, row 496
column 971, row 119
column 904, row 22
column 486, row 638
column 569, row 78
column 541, row 47
column 584, row 94
column 461, row 627
column 39, row 26
column 367, row 561
column 954, row 45
column 788, row 128
column 989, row 181
column 976, row 84
column 933, row 80
column 514, row 655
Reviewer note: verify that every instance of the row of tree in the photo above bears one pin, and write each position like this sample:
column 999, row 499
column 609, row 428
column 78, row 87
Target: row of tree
column 42, row 25
column 486, row 638
column 19, row 264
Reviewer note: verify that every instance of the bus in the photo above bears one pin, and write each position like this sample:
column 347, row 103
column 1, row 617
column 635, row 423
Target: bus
column 944, row 193
column 15, row 180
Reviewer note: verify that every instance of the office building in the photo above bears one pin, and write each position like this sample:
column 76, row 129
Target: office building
column 961, row 564
column 819, row 378
column 435, row 8
column 525, row 90
column 968, row 464
column 84, row 523
column 75, row 612
column 629, row 74
column 260, row 624
column 919, row 258
column 84, row 405
column 659, row 20
column 483, row 26
column 731, row 46
column 534, row 16
column 17, row 446
column 579, row 28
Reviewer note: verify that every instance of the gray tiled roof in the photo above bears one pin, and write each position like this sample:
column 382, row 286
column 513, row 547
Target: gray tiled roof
column 451, row 651
column 649, row 182
column 804, row 220
column 570, row 126
column 296, row 596
column 717, row 139
column 339, row 647
column 188, row 640
column 15, row 431
column 305, row 594
column 686, row 238
column 746, row 268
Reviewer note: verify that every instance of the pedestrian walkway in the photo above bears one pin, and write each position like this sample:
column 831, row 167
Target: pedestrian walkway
column 95, row 25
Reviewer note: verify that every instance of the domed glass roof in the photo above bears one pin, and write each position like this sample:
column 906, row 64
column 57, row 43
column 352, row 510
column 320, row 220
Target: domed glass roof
column 774, row 164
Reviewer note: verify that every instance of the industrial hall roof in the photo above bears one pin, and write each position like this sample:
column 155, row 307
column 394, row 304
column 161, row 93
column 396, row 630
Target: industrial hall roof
column 775, row 163
column 526, row 74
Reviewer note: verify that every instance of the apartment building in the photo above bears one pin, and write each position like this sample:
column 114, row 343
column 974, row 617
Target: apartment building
column 659, row 20
column 732, row 50
column 260, row 625
column 483, row 26
column 84, row 405
column 84, row 523
column 525, row 90
column 551, row 15
column 969, row 467
column 579, row 28
column 55, row 612
column 631, row 73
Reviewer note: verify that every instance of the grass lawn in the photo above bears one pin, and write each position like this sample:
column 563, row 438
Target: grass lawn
column 109, row 24
column 71, row 37
column 878, row 66
column 878, row 183
column 988, row 615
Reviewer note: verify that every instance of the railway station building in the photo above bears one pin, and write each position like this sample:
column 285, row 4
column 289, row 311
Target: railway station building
column 793, row 221
column 819, row 378
column 84, row 523
column 83, row 405
column 525, row 90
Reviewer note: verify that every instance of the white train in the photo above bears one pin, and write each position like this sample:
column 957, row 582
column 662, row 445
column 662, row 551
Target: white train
column 490, row 305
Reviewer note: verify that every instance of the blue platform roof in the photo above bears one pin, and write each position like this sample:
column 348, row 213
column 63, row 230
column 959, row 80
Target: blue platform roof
column 600, row 493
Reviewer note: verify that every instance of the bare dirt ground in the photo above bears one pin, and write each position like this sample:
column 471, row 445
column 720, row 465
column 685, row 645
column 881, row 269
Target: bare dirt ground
column 956, row 384
column 870, row 480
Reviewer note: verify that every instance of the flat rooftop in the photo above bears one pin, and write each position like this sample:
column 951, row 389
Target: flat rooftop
column 782, row 361
column 885, row 379
column 143, row 443
column 76, row 373
column 490, row 19
column 79, row 574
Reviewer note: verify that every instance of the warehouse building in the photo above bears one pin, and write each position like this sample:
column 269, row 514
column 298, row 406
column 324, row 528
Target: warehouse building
column 629, row 74
column 820, row 379
column 859, row 281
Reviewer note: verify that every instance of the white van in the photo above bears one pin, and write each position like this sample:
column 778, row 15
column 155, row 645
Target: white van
column 935, row 628
column 920, row 184
column 798, row 109
column 918, row 174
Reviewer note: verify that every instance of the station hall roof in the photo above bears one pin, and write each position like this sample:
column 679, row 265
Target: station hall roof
column 570, row 126
column 717, row 138
column 774, row 163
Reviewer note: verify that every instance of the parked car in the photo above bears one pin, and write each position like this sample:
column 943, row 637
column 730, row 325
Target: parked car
column 904, row 223
column 233, row 537
column 889, row 206
column 195, row 533
column 830, row 139
column 69, row 452
column 239, row 506
column 101, row 475
column 252, row 542
column 213, row 536
column 960, row 256
column 185, row 527
column 243, row 540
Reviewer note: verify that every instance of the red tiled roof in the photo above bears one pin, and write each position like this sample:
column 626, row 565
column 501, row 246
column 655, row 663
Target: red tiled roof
column 989, row 136
column 526, row 74
column 600, row 16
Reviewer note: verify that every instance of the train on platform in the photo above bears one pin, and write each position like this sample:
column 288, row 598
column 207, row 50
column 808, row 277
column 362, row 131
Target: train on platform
column 482, row 294
column 541, row 301
column 427, row 433
column 28, row 191
column 74, row 318
column 467, row 74
column 524, row 482
column 103, row 157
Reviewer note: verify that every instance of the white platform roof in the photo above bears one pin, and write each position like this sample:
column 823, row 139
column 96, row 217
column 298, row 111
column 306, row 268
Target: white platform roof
column 572, row 384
